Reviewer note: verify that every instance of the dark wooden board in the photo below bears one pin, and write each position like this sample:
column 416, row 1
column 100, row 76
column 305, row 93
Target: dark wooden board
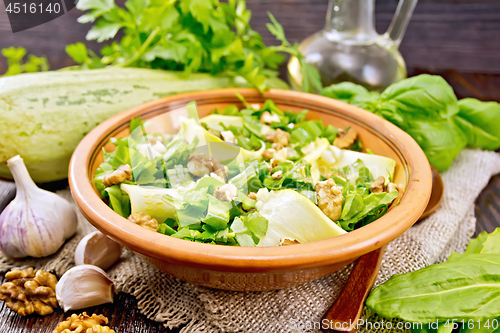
column 123, row 317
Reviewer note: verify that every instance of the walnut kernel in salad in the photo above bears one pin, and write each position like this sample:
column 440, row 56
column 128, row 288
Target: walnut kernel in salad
column 251, row 176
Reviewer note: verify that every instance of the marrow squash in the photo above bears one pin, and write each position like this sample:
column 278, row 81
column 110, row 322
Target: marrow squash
column 43, row 116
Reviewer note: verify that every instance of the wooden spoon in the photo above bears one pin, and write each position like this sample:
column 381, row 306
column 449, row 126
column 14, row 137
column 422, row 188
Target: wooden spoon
column 436, row 194
column 344, row 314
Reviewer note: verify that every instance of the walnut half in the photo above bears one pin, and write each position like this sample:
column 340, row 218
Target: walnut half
column 278, row 136
column 144, row 221
column 330, row 198
column 27, row 292
column 200, row 165
column 123, row 173
column 378, row 186
column 346, row 139
column 83, row 323
column 288, row 241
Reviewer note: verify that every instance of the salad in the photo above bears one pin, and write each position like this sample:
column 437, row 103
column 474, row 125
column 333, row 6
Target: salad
column 257, row 176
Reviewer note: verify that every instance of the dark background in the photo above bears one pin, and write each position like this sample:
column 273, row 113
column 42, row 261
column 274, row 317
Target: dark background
column 463, row 35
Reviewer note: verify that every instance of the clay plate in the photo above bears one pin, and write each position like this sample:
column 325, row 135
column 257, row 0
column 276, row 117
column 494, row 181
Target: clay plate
column 243, row 268
column 436, row 194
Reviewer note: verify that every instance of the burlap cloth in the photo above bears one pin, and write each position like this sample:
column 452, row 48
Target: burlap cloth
column 197, row 309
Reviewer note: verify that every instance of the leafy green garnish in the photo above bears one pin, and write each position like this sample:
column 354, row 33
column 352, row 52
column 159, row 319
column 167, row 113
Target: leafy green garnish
column 218, row 214
column 426, row 107
column 249, row 228
column 465, row 287
column 188, row 35
column 188, row 207
column 480, row 122
column 360, row 206
column 311, row 80
column 118, row 200
column 17, row 65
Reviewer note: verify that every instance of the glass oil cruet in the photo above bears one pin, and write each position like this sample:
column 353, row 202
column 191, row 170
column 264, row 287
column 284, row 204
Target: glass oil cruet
column 349, row 48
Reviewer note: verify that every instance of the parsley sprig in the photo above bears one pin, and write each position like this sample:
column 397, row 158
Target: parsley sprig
column 190, row 35
column 17, row 64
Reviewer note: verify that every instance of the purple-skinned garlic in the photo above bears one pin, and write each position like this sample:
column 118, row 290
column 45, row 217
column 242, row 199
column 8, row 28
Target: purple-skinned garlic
column 37, row 222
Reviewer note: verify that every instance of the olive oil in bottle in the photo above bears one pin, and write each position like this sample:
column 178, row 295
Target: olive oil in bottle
column 349, row 48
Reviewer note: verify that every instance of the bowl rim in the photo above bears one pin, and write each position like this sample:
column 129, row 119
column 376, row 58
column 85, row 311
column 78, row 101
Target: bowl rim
column 244, row 259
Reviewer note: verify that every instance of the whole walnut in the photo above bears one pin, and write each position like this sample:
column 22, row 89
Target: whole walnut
column 83, row 323
column 27, row 292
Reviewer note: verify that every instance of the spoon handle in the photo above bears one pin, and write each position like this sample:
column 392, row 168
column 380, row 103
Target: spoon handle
column 344, row 314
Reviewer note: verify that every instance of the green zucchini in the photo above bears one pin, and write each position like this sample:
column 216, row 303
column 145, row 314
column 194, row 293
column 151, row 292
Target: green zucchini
column 43, row 116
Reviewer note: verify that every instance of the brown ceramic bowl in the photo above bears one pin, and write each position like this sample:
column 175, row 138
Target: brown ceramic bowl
column 243, row 268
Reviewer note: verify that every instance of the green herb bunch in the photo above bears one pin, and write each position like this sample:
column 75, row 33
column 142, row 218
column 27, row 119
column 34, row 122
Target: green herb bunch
column 426, row 107
column 16, row 64
column 190, row 35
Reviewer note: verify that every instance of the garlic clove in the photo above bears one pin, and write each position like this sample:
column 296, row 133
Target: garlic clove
column 84, row 286
column 97, row 249
column 37, row 222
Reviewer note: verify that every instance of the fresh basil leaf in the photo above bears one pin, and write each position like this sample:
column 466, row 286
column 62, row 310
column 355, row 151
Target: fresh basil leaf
column 476, row 136
column 426, row 107
column 485, row 115
column 422, row 96
column 441, row 141
column 481, row 122
column 345, row 91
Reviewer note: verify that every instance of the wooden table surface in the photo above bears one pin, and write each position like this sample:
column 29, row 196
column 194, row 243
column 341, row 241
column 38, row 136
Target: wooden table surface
column 123, row 314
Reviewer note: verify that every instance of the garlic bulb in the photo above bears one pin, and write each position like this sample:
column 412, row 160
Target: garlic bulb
column 97, row 249
column 37, row 222
column 84, row 286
